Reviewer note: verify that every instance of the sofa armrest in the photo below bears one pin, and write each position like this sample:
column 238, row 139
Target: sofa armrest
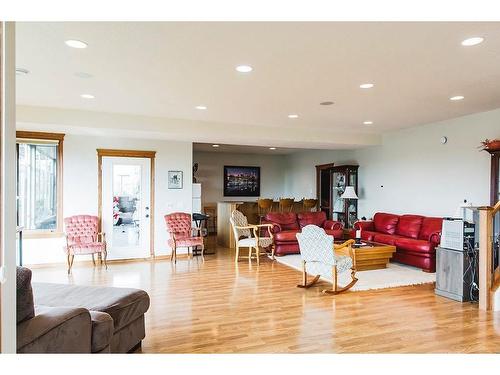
column 435, row 238
column 364, row 225
column 275, row 227
column 332, row 225
column 55, row 330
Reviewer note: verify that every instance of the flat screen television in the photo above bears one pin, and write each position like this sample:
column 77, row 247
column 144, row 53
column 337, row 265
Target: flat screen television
column 241, row 181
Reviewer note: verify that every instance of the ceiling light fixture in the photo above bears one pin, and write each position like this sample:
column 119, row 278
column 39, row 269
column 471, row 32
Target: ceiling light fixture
column 326, row 103
column 215, row 146
column 22, row 71
column 73, row 43
column 201, row 107
column 293, row 116
column 368, row 123
column 87, row 96
column 457, row 97
column 244, row 68
column 472, row 41
column 83, row 75
column 272, row 148
column 366, row 85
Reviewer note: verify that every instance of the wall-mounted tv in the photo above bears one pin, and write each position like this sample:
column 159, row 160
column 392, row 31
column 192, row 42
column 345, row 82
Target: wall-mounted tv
column 241, row 181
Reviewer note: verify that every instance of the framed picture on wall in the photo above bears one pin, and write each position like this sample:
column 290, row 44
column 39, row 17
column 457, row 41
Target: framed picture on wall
column 241, row 181
column 175, row 179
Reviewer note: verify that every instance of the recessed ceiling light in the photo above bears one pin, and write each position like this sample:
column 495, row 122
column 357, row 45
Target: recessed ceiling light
column 326, row 103
column 367, row 122
column 215, row 146
column 293, row 116
column 244, row 68
column 472, row 41
column 22, row 71
column 201, row 107
column 73, row 43
column 272, row 148
column 458, row 97
column 87, row 96
column 366, row 85
column 83, row 75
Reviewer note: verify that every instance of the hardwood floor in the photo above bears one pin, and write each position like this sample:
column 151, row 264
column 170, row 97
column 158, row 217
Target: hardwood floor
column 216, row 307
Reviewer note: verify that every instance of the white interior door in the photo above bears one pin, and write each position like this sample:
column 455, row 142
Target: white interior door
column 126, row 206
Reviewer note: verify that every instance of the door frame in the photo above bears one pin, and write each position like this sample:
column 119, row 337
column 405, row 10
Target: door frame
column 103, row 152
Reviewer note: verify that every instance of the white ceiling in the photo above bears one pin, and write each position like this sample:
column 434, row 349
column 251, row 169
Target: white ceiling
column 165, row 69
column 242, row 149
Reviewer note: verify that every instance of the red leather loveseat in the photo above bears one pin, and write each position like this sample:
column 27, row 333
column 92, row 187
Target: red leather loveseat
column 287, row 224
column 414, row 236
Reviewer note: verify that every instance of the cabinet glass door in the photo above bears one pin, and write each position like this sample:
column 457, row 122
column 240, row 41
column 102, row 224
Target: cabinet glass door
column 338, row 204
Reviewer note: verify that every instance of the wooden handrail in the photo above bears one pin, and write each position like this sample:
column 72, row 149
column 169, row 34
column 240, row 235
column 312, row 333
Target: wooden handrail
column 486, row 272
column 496, row 208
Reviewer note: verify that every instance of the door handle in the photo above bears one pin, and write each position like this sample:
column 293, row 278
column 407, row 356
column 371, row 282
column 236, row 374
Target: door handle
column 147, row 208
column 147, row 215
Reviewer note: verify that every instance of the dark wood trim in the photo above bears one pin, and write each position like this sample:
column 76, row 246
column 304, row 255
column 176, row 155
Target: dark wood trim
column 129, row 154
column 494, row 188
column 126, row 153
column 319, row 169
column 21, row 134
column 59, row 137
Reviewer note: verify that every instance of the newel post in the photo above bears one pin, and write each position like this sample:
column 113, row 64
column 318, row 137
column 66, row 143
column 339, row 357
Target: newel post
column 485, row 257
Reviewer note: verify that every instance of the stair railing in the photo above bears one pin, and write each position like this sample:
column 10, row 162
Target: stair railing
column 487, row 274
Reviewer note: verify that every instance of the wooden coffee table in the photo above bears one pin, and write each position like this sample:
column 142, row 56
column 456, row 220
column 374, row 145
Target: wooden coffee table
column 372, row 256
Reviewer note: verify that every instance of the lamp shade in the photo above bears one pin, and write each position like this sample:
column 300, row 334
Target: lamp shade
column 349, row 193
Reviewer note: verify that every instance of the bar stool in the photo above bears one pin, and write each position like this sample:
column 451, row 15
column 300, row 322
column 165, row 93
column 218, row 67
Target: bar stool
column 264, row 206
column 286, row 204
column 309, row 204
column 211, row 211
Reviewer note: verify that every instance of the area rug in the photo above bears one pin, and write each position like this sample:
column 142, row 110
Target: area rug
column 394, row 275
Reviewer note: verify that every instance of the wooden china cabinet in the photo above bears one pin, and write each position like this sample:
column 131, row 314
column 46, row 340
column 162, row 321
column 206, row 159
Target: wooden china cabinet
column 331, row 182
column 494, row 198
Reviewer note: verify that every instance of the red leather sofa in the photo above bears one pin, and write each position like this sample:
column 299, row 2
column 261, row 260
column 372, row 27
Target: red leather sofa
column 414, row 236
column 287, row 224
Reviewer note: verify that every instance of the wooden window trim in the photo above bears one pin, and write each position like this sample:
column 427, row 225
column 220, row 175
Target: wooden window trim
column 59, row 137
column 101, row 152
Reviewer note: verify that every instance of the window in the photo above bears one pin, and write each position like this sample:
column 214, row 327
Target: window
column 39, row 182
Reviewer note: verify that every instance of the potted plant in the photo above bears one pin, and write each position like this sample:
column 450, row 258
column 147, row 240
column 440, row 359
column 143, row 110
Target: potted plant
column 490, row 145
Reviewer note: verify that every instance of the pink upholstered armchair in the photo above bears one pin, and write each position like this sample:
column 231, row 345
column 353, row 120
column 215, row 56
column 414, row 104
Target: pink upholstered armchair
column 182, row 234
column 82, row 238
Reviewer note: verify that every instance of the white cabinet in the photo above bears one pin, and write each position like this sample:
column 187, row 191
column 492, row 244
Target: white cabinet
column 197, row 198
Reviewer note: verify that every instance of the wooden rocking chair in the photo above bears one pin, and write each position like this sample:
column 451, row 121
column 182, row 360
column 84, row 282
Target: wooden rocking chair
column 318, row 252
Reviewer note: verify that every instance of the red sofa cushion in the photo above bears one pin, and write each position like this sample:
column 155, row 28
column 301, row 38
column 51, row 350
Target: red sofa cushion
column 414, row 246
column 385, row 223
column 315, row 218
column 430, row 225
column 286, row 236
column 409, row 225
column 387, row 239
column 286, row 220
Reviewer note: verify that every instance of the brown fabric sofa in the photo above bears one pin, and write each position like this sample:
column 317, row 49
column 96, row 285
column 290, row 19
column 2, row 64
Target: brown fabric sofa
column 59, row 318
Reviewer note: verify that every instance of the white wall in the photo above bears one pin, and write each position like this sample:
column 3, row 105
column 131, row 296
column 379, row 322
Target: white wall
column 80, row 187
column 211, row 174
column 418, row 173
